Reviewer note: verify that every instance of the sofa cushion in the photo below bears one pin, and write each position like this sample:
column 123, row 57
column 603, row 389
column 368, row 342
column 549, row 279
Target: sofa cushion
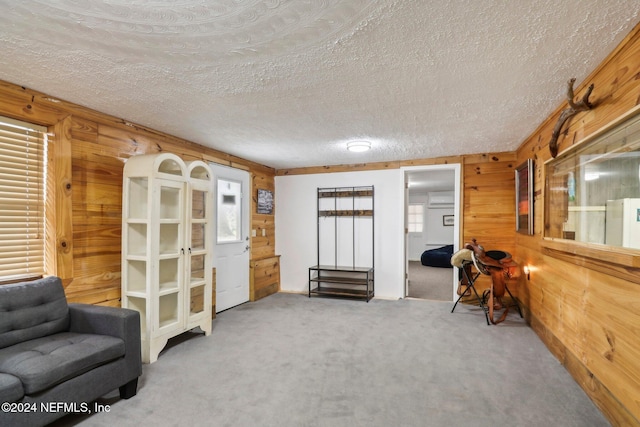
column 31, row 310
column 45, row 362
column 10, row 388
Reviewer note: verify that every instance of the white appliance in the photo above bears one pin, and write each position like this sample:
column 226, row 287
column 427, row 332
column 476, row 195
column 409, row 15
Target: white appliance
column 441, row 199
column 623, row 223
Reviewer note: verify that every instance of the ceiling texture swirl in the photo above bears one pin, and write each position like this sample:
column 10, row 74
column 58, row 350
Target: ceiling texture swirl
column 288, row 83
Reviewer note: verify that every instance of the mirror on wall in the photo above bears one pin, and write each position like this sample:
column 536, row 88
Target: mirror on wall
column 592, row 191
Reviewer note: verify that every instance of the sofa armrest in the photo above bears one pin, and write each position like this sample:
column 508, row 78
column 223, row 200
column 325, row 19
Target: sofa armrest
column 95, row 319
column 117, row 322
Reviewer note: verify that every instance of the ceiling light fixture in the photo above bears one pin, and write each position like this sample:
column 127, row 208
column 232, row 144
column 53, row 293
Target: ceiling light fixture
column 358, row 146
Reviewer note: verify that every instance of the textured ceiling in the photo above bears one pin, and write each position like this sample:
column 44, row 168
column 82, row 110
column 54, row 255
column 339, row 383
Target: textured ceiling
column 289, row 83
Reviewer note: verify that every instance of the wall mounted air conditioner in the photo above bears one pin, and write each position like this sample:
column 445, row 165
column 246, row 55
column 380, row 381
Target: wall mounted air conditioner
column 440, row 199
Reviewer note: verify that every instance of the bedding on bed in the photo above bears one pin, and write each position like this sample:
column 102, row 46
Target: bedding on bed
column 439, row 257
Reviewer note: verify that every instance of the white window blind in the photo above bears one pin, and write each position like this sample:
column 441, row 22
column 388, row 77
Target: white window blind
column 416, row 217
column 23, row 148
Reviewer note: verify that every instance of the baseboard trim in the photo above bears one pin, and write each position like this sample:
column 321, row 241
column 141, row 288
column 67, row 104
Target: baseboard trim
column 285, row 291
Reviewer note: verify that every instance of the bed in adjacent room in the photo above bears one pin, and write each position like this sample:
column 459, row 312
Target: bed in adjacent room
column 439, row 257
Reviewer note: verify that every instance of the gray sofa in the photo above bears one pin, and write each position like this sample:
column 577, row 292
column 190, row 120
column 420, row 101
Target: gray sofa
column 57, row 358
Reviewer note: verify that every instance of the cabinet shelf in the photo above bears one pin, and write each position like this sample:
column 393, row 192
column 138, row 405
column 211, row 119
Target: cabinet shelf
column 168, row 322
column 169, row 255
column 169, row 289
column 195, row 284
column 140, row 294
column 136, row 221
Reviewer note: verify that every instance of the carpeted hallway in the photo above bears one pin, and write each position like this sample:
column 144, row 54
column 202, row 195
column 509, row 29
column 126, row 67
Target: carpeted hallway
column 288, row 360
column 432, row 283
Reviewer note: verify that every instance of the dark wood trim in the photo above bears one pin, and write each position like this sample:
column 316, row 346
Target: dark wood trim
column 614, row 261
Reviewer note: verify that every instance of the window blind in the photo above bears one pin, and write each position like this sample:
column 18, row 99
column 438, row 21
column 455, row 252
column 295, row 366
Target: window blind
column 22, row 199
column 416, row 217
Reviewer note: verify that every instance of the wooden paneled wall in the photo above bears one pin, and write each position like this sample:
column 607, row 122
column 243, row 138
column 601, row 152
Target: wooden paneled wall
column 262, row 246
column 264, row 277
column 583, row 300
column 488, row 208
column 87, row 154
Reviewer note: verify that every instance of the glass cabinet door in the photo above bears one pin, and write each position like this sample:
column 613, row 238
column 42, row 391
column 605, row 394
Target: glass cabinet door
column 197, row 237
column 170, row 253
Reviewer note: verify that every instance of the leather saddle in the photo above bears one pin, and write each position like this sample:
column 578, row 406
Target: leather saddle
column 496, row 264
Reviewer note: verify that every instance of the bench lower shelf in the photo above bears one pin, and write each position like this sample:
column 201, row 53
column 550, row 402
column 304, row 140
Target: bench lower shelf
column 339, row 292
column 346, row 282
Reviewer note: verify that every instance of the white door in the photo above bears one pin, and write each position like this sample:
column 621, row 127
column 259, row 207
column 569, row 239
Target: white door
column 231, row 253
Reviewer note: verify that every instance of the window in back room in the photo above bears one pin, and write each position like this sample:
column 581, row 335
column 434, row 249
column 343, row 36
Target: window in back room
column 416, row 217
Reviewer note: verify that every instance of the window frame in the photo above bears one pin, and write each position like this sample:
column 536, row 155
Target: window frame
column 613, row 260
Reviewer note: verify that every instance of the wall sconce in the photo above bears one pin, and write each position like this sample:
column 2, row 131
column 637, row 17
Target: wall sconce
column 526, row 270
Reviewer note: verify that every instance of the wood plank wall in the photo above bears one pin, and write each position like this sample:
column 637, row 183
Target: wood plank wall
column 489, row 206
column 585, row 309
column 88, row 151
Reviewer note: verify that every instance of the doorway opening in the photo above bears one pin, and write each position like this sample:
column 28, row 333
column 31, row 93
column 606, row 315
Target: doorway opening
column 432, row 230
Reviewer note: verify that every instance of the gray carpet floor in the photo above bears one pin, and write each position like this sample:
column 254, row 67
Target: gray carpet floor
column 432, row 283
column 289, row 360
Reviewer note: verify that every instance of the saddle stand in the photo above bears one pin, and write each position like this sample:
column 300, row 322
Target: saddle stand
column 468, row 283
column 496, row 264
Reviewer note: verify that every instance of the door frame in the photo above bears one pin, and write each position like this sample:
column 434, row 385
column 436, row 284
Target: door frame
column 456, row 167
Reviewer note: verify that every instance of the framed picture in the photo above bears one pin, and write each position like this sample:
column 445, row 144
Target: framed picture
column 447, row 220
column 265, row 201
column 524, row 197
